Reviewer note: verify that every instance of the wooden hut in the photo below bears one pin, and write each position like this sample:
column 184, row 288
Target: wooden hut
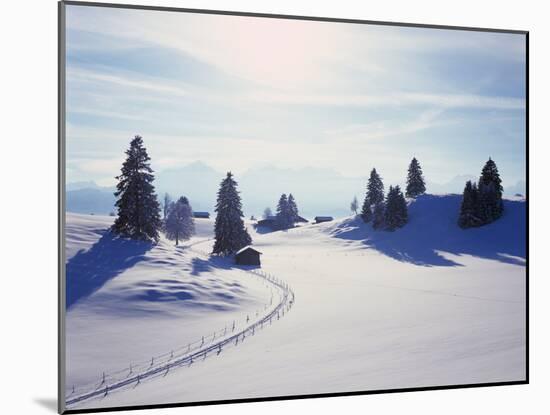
column 248, row 256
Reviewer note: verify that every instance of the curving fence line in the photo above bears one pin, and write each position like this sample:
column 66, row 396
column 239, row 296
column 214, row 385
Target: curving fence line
column 186, row 355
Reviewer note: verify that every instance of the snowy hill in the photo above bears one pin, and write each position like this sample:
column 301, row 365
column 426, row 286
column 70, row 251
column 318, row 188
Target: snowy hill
column 429, row 304
column 144, row 299
column 432, row 229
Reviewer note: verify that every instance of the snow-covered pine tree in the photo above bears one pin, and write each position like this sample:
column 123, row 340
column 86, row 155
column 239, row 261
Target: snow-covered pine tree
column 284, row 214
column 469, row 208
column 378, row 215
column 415, row 181
column 230, row 232
column 490, row 193
column 354, row 205
column 292, row 209
column 137, row 204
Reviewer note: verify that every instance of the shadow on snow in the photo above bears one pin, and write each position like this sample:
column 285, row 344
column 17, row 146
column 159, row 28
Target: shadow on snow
column 433, row 228
column 199, row 265
column 90, row 269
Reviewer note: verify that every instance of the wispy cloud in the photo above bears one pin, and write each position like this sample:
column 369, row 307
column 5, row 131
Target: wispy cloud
column 149, row 84
column 399, row 99
column 247, row 91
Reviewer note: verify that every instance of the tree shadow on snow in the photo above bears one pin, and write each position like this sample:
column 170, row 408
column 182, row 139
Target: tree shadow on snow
column 433, row 228
column 90, row 269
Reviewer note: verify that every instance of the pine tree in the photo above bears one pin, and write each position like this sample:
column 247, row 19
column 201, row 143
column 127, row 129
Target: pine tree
column 374, row 195
column 179, row 223
column 284, row 213
column 415, row 181
column 354, row 205
column 375, row 188
column 490, row 193
column 482, row 204
column 230, row 232
column 395, row 213
column 366, row 213
column 292, row 209
column 137, row 204
column 469, row 208
column 378, row 215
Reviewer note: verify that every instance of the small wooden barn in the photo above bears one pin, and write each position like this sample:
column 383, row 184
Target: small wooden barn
column 201, row 215
column 320, row 219
column 248, row 256
column 270, row 222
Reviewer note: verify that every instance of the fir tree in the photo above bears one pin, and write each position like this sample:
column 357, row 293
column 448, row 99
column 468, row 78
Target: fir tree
column 284, row 213
column 375, row 188
column 415, row 181
column 378, row 216
column 469, row 208
column 354, row 205
column 482, row 204
column 137, row 204
column 230, row 232
column 292, row 209
column 374, row 195
column 366, row 213
column 490, row 193
column 395, row 213
column 179, row 223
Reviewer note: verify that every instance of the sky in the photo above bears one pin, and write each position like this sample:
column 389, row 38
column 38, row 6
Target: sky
column 242, row 93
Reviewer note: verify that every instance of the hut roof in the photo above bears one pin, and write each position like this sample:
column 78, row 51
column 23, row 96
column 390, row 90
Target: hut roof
column 240, row 251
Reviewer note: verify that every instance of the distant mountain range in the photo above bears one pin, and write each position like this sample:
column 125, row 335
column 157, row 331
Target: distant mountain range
column 317, row 191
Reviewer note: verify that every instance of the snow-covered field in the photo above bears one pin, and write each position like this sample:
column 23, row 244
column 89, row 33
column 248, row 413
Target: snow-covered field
column 427, row 305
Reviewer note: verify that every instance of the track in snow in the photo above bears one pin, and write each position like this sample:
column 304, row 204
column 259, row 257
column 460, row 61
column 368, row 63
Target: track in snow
column 134, row 375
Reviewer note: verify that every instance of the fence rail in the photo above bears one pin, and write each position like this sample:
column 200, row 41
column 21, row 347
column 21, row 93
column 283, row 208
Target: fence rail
column 187, row 354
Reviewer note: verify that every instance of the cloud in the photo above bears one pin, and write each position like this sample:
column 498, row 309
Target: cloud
column 398, row 99
column 246, row 91
column 149, row 84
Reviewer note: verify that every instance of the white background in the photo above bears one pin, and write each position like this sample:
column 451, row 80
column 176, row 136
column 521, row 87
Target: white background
column 28, row 235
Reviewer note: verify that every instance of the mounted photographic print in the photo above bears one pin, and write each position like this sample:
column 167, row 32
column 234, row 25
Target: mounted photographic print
column 258, row 207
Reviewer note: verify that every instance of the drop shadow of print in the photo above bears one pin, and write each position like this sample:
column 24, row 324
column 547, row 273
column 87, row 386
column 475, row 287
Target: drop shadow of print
column 89, row 270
